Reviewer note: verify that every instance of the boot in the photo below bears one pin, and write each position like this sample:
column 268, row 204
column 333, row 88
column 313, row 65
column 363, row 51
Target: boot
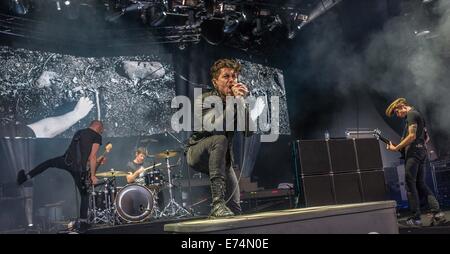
column 219, row 208
column 21, row 177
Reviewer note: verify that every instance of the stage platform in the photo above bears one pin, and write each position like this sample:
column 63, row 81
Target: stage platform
column 362, row 218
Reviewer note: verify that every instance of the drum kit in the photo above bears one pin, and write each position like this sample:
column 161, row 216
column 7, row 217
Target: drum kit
column 135, row 202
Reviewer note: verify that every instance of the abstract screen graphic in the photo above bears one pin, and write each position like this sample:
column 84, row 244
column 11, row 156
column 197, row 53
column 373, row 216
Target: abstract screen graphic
column 267, row 81
column 131, row 94
column 45, row 94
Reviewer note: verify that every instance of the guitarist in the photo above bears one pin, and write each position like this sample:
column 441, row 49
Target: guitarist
column 136, row 166
column 80, row 155
column 412, row 146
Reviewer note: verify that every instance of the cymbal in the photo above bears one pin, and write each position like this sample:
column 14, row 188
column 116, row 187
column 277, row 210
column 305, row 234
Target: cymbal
column 167, row 154
column 112, row 173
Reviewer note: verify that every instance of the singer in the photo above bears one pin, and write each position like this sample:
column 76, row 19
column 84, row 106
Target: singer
column 211, row 152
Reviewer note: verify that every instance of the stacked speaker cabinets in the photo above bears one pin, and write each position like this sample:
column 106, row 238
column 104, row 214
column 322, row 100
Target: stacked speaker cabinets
column 339, row 171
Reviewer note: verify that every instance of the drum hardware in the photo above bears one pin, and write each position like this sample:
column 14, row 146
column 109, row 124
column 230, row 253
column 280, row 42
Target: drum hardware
column 101, row 203
column 172, row 209
column 135, row 202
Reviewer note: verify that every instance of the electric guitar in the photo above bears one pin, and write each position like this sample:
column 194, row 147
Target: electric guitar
column 379, row 136
column 86, row 175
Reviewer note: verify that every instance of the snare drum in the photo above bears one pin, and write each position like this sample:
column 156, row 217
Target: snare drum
column 134, row 203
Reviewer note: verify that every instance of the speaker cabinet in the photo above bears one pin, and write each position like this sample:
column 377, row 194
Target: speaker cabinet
column 374, row 187
column 342, row 155
column 314, row 157
column 341, row 171
column 369, row 155
column 347, row 188
column 318, row 190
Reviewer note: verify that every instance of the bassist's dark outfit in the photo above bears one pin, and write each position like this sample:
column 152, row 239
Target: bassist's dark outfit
column 415, row 155
column 75, row 161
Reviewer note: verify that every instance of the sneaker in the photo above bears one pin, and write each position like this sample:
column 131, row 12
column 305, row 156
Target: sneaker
column 79, row 227
column 21, row 177
column 438, row 219
column 411, row 222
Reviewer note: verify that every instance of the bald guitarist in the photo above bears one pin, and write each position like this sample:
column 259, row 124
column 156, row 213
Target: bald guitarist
column 79, row 156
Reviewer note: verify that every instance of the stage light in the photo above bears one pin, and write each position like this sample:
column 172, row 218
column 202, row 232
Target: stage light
column 275, row 23
column 291, row 31
column 154, row 15
column 257, row 30
column 321, row 8
column 230, row 25
column 232, row 22
column 136, row 6
column 72, row 9
column 297, row 20
column 185, row 3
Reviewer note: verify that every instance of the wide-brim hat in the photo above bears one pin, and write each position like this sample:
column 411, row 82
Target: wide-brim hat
column 394, row 105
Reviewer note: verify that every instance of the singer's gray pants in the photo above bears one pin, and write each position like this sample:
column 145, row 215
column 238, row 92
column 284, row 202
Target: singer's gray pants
column 211, row 156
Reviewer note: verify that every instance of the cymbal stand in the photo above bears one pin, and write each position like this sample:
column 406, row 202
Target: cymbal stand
column 184, row 166
column 173, row 209
column 107, row 215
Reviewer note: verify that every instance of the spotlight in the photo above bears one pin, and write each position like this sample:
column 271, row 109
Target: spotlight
column 72, row 9
column 291, row 32
column 321, row 8
column 422, row 33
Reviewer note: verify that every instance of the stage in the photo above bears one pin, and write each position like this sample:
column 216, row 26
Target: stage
column 362, row 218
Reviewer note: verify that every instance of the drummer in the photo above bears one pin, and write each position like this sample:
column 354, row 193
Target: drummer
column 136, row 167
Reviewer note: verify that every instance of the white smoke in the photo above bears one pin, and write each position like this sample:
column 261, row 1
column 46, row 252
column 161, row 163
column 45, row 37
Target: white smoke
column 409, row 57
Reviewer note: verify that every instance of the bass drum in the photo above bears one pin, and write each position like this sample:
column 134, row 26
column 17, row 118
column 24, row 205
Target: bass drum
column 134, row 203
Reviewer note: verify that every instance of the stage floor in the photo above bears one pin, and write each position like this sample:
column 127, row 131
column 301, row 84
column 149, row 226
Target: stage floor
column 426, row 228
column 379, row 217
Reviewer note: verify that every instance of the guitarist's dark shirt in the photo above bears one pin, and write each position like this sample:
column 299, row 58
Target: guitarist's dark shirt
column 414, row 117
column 85, row 138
